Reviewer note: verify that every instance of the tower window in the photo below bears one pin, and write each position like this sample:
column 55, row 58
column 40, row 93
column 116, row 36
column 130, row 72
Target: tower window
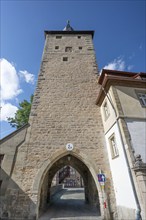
column 58, row 37
column 113, row 147
column 79, row 37
column 68, row 49
column 80, row 48
column 65, row 58
column 56, row 47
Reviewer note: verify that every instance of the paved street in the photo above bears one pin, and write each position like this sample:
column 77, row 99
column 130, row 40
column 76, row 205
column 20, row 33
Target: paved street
column 69, row 204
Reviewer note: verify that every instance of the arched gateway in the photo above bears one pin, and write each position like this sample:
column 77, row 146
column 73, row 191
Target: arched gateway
column 43, row 179
column 63, row 111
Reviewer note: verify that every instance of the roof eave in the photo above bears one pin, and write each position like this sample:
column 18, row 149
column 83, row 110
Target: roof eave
column 111, row 80
column 70, row 32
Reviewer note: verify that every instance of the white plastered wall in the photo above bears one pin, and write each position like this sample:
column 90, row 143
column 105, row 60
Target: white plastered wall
column 121, row 179
column 137, row 130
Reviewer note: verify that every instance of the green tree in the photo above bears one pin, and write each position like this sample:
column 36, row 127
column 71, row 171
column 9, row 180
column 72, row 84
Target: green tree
column 22, row 114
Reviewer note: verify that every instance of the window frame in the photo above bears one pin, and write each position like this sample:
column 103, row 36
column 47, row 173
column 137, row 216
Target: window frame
column 113, row 147
column 106, row 110
column 142, row 101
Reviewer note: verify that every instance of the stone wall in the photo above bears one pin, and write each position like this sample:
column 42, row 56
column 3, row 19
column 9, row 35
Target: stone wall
column 9, row 189
column 63, row 111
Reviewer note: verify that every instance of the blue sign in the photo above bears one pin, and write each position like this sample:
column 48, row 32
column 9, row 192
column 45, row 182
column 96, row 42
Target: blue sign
column 101, row 177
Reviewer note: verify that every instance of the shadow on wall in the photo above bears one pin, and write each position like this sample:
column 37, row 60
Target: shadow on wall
column 14, row 203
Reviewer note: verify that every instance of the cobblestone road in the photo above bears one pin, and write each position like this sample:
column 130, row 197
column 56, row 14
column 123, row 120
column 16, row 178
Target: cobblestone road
column 69, row 204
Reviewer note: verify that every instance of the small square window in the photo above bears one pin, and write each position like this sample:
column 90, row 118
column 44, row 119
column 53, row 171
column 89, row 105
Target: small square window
column 113, row 147
column 79, row 37
column 65, row 58
column 142, row 98
column 58, row 37
column 80, row 48
column 106, row 110
column 56, row 47
column 68, row 49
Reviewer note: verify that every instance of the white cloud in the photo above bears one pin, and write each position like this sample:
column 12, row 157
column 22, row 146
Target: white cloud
column 116, row 64
column 28, row 77
column 9, row 84
column 130, row 67
column 10, row 87
column 7, row 110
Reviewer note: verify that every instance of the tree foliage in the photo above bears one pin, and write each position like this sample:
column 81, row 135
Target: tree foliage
column 22, row 114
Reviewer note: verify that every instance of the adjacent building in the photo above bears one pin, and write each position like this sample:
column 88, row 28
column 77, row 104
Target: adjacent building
column 122, row 99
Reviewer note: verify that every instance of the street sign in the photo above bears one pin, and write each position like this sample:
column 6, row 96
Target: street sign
column 101, row 177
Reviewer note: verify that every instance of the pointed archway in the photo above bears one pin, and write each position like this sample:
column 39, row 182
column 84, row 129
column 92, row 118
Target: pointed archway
column 91, row 193
column 43, row 180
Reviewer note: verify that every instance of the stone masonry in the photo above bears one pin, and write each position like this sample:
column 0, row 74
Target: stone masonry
column 63, row 111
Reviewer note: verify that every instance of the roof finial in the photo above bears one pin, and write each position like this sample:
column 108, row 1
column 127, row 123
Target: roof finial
column 68, row 27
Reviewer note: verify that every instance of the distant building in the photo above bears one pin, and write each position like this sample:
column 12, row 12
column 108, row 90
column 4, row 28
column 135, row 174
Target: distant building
column 69, row 177
column 97, row 129
column 122, row 99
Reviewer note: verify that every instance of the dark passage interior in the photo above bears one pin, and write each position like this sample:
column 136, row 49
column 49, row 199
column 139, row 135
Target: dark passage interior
column 58, row 174
column 69, row 203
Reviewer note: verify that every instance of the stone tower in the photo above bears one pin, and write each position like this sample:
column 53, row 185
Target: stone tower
column 64, row 113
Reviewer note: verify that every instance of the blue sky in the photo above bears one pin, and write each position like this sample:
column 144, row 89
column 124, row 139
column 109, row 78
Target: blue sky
column 119, row 40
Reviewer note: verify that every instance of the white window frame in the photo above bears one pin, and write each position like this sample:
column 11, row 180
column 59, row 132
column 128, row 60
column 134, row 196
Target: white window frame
column 106, row 110
column 142, row 98
column 113, row 146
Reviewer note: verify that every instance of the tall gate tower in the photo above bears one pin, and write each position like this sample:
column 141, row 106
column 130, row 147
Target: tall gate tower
column 65, row 128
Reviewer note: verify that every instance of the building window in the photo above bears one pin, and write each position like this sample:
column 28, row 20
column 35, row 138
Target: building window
column 58, row 37
column 113, row 147
column 1, row 158
column 56, row 47
column 80, row 48
column 142, row 98
column 65, row 58
column 106, row 110
column 68, row 49
column 79, row 37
